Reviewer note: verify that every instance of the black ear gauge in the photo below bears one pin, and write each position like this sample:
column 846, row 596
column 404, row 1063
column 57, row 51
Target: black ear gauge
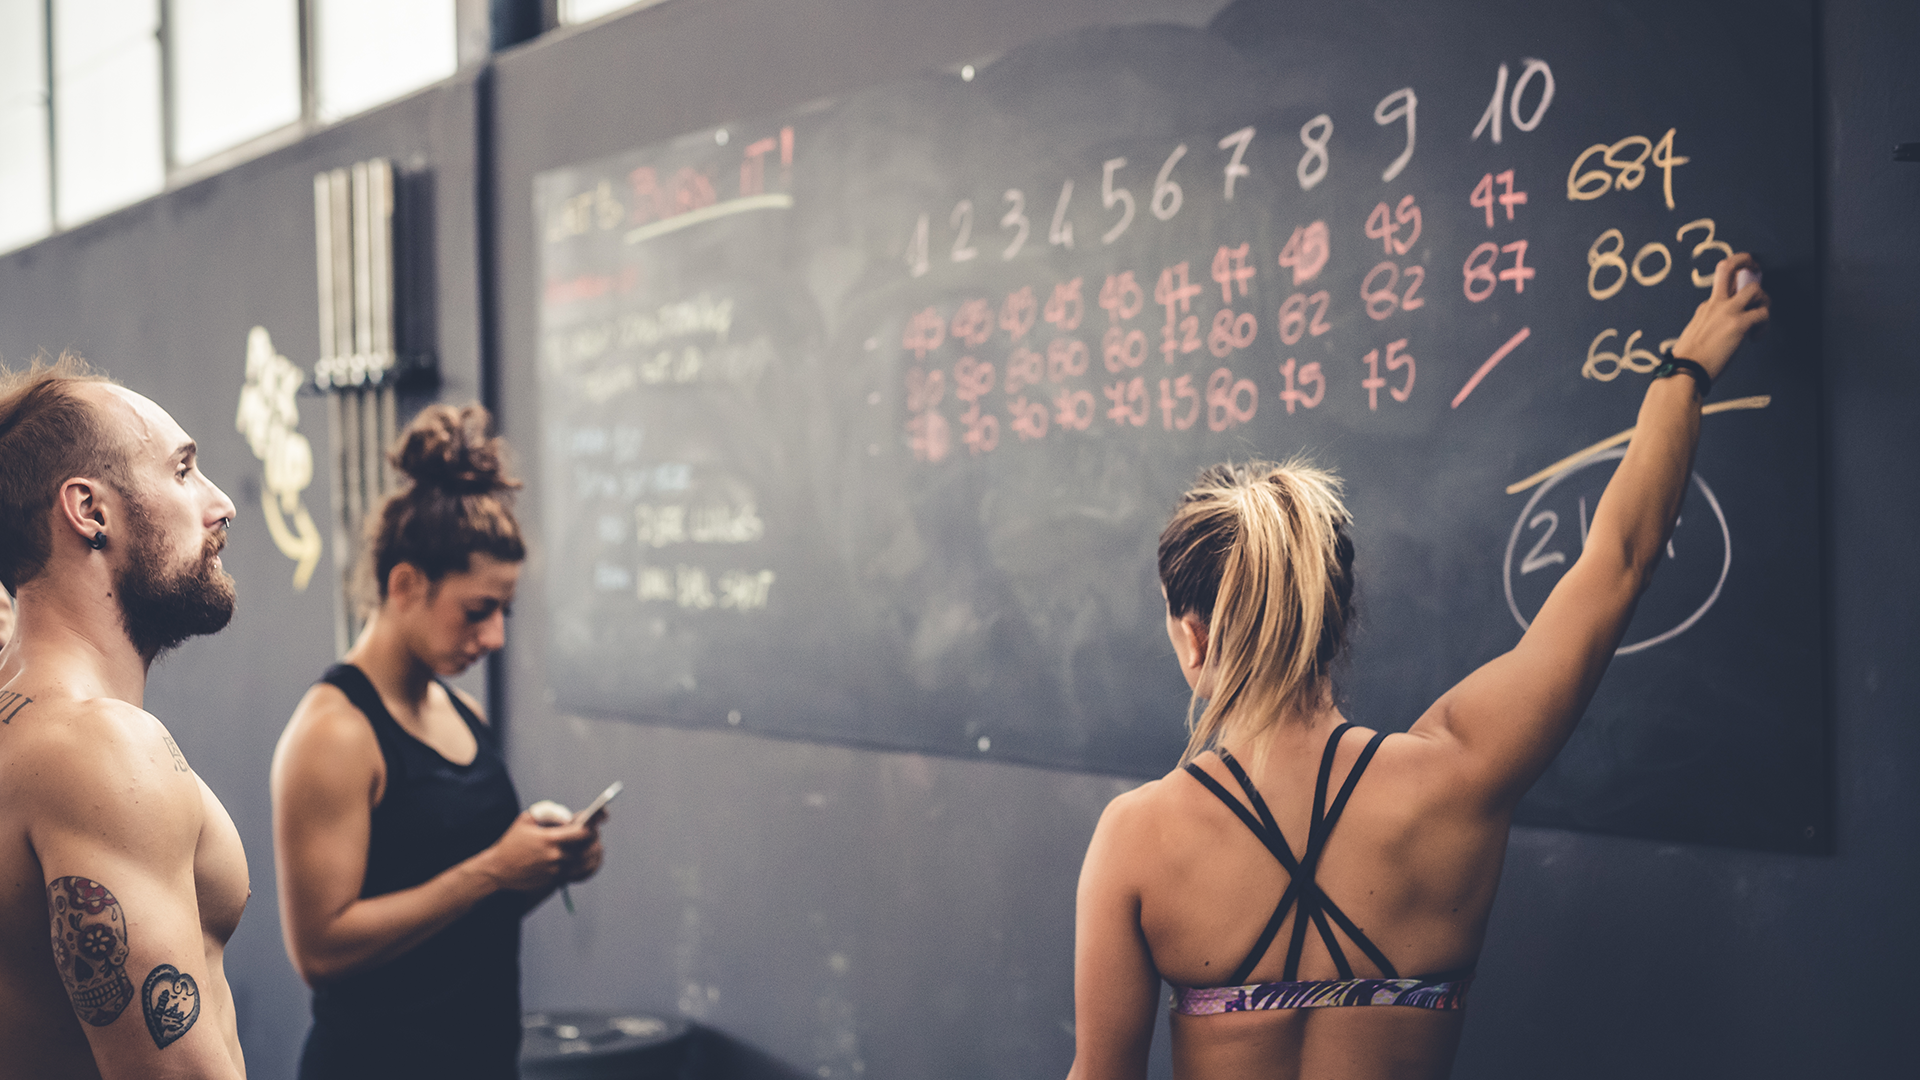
column 98, row 541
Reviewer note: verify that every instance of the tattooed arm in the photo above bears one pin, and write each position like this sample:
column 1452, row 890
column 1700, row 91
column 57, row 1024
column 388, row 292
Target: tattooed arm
column 116, row 828
column 326, row 777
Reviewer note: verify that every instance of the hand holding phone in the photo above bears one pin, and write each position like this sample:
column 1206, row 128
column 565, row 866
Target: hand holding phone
column 599, row 803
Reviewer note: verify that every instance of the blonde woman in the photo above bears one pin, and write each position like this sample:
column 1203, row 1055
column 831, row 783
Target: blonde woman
column 1295, row 861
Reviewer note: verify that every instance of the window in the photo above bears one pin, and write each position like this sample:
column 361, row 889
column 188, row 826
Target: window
column 26, row 208
column 85, row 127
column 106, row 93
column 235, row 72
column 579, row 11
column 370, row 51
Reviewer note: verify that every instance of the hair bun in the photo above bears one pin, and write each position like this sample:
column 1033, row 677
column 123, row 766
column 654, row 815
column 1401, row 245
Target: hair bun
column 452, row 450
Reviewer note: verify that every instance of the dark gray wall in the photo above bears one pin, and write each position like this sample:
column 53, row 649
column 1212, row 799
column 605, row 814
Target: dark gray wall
column 161, row 295
column 894, row 915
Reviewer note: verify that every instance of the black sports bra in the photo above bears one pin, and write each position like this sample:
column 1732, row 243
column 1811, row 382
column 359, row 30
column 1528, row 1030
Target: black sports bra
column 1444, row 990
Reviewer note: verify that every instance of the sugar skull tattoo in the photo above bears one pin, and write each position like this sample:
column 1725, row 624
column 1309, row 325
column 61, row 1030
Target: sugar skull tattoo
column 90, row 948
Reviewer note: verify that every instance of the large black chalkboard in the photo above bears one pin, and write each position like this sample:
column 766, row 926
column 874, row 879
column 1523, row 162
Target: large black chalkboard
column 844, row 438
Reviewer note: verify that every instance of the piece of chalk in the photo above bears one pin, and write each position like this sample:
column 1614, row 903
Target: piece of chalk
column 1743, row 278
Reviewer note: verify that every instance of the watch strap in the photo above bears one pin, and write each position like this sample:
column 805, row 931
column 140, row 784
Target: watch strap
column 1673, row 365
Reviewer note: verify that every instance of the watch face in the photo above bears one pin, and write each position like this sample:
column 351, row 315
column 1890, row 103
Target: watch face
column 1552, row 530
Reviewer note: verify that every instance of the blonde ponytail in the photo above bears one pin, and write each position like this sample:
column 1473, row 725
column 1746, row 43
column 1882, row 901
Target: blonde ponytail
column 1260, row 552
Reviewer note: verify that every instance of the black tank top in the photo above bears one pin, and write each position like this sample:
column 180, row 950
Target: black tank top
column 451, row 1002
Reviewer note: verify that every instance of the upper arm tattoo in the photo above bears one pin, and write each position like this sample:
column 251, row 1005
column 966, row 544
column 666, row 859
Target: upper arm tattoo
column 179, row 759
column 90, row 947
column 171, row 1002
column 10, row 705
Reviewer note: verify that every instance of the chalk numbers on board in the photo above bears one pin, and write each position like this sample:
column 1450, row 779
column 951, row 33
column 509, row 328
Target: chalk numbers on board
column 1484, row 198
column 1065, row 308
column 1397, row 106
column 1483, row 274
column 1397, row 360
column 1181, row 334
column 1704, row 279
column 1058, row 376
column 1060, row 233
column 1015, row 219
column 1381, row 289
column 1608, row 268
column 1623, row 166
column 1314, row 135
column 1605, row 366
column 1232, row 330
column 1532, row 72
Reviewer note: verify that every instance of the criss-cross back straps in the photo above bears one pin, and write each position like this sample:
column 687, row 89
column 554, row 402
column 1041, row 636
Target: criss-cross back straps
column 1314, row 905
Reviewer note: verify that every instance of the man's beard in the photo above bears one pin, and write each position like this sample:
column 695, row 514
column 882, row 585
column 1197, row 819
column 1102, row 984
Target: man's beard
column 163, row 606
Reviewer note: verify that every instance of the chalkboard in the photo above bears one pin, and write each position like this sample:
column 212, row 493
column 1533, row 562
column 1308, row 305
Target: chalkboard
column 860, row 422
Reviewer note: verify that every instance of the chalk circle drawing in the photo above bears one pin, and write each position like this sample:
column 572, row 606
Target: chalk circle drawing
column 1537, row 558
column 267, row 416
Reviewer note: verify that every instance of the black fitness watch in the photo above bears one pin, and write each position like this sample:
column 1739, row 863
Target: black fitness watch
column 1675, row 364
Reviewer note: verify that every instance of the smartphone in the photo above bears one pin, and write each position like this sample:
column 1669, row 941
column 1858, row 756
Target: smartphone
column 596, row 805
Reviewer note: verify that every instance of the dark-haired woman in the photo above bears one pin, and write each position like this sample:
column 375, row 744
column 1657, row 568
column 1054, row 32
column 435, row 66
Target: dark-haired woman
column 1295, row 861
column 404, row 860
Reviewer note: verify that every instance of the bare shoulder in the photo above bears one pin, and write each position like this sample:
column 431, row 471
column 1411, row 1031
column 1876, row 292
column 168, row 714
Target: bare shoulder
column 1150, row 821
column 327, row 733
column 1417, row 780
column 101, row 766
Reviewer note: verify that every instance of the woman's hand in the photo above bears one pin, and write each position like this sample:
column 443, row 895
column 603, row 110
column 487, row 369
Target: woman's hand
column 531, row 857
column 1722, row 320
column 584, row 860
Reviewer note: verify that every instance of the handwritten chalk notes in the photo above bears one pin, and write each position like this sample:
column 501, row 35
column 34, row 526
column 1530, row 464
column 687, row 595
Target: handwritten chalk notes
column 860, row 422
column 1552, row 530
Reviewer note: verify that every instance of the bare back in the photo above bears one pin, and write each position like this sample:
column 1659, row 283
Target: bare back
column 1412, row 868
column 64, row 764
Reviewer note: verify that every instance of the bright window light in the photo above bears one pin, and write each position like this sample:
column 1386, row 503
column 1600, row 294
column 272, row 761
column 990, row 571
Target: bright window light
column 372, row 51
column 235, row 71
column 26, row 212
column 106, row 92
column 579, row 11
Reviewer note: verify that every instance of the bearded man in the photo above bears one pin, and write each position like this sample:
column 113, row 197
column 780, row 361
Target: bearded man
column 121, row 875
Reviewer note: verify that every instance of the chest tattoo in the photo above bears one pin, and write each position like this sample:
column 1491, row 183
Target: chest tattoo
column 11, row 704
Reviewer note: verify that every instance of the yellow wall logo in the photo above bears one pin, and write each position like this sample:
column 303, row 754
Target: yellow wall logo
column 268, row 416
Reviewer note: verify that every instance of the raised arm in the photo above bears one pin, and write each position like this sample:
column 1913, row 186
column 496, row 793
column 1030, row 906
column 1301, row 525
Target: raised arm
column 1508, row 719
column 116, row 835
column 323, row 779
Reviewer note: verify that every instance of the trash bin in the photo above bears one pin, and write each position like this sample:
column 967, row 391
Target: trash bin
column 602, row 1046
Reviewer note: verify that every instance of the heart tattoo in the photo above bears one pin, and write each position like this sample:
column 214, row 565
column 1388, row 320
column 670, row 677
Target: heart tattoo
column 172, row 1003
column 90, row 947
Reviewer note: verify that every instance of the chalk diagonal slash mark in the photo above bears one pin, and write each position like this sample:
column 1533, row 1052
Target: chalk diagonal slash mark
column 1758, row 401
column 1498, row 355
